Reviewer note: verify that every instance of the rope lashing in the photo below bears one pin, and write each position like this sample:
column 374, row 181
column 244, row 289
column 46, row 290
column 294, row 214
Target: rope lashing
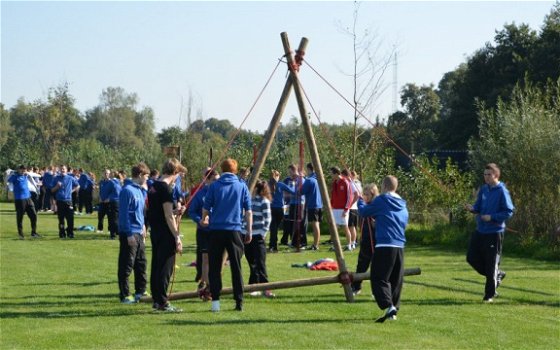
column 345, row 278
column 298, row 59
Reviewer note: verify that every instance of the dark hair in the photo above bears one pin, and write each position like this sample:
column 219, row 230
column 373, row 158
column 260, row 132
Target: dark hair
column 139, row 170
column 154, row 172
column 310, row 167
column 335, row 170
column 262, row 189
column 494, row 168
column 345, row 172
column 210, row 173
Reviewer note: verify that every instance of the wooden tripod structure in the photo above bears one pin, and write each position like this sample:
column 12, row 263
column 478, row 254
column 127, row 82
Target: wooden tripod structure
column 293, row 82
column 344, row 277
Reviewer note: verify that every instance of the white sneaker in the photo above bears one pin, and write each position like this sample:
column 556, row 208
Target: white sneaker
column 255, row 294
column 215, row 306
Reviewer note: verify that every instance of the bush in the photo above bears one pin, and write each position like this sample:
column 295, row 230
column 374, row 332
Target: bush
column 522, row 137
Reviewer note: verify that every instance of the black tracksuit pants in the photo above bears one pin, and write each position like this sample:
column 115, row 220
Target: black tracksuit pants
column 132, row 258
column 277, row 217
column 113, row 216
column 367, row 244
column 65, row 211
column 255, row 253
column 387, row 271
column 163, row 262
column 25, row 206
column 484, row 255
column 231, row 242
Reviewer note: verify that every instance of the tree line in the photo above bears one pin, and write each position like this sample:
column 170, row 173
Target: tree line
column 502, row 105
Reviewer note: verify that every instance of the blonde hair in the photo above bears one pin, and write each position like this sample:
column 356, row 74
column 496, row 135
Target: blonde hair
column 371, row 188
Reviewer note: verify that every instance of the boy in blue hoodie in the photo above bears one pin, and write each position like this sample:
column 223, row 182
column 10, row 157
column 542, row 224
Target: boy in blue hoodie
column 387, row 267
column 132, row 235
column 63, row 186
column 227, row 198
column 22, row 201
column 493, row 207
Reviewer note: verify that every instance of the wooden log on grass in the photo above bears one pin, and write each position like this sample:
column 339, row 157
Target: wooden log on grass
column 285, row 284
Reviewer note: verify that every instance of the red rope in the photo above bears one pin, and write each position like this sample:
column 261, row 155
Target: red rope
column 234, row 136
column 384, row 133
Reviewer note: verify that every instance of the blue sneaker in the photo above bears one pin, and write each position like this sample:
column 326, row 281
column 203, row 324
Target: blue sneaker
column 139, row 296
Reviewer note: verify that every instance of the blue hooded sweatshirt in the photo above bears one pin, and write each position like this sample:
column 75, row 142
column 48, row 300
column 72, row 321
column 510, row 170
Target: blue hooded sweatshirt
column 64, row 193
column 195, row 207
column 21, row 189
column 85, row 182
column 391, row 218
column 47, row 179
column 310, row 190
column 131, row 209
column 105, row 188
column 226, row 198
column 496, row 202
column 114, row 190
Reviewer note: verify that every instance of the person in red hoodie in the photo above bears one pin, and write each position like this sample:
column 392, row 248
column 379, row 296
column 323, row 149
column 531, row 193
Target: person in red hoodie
column 341, row 201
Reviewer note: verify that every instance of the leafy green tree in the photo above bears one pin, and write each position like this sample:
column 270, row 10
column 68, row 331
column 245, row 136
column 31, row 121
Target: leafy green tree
column 5, row 125
column 113, row 121
column 546, row 56
column 414, row 129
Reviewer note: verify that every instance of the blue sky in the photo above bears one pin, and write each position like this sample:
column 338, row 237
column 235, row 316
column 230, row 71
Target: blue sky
column 223, row 52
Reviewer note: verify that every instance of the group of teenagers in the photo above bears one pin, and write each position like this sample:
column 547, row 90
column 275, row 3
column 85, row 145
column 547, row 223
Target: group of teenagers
column 56, row 189
column 232, row 222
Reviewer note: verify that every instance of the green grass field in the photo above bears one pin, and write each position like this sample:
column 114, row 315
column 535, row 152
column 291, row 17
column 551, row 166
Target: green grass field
column 63, row 294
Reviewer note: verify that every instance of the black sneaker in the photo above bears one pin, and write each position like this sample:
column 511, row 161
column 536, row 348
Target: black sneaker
column 501, row 276
column 239, row 306
column 390, row 314
column 314, row 247
column 36, row 235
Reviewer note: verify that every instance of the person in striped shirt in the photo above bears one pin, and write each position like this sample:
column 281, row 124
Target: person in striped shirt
column 255, row 250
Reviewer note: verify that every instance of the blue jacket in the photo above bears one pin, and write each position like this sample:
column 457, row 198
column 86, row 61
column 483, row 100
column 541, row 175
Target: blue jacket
column 226, row 198
column 114, row 190
column 195, row 208
column 131, row 209
column 310, row 190
column 292, row 187
column 21, row 188
column 391, row 218
column 47, row 179
column 496, row 202
column 177, row 193
column 85, row 182
column 64, row 193
column 104, row 190
column 278, row 195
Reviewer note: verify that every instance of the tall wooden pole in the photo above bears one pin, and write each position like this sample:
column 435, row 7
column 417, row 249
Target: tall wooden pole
column 318, row 168
column 272, row 128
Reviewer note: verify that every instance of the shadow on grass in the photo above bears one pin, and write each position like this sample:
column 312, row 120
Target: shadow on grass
column 79, row 284
column 271, row 321
column 502, row 287
column 502, row 300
